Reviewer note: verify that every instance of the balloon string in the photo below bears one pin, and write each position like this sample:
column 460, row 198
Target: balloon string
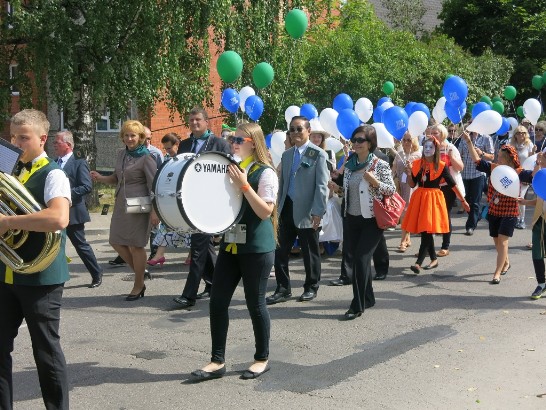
column 288, row 79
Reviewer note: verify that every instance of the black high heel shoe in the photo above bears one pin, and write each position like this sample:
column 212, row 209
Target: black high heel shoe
column 147, row 275
column 139, row 295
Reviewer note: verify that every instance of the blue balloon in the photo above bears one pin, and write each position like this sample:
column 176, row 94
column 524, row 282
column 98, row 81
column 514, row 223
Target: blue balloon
column 268, row 141
column 378, row 113
column 383, row 100
column 308, row 111
column 455, row 90
column 410, row 107
column 504, row 128
column 421, row 107
column 396, row 121
column 340, row 162
column 231, row 100
column 479, row 108
column 342, row 102
column 254, row 107
column 347, row 121
column 539, row 183
column 455, row 114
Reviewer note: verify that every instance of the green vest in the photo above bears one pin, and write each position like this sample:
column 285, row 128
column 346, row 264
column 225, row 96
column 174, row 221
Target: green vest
column 57, row 272
column 259, row 232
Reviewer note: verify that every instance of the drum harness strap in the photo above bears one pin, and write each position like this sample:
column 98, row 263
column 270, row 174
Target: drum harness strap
column 232, row 247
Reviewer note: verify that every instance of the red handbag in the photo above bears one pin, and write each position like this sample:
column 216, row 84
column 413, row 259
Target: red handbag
column 388, row 210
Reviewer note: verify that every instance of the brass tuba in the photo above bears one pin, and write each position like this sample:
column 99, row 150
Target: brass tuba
column 24, row 251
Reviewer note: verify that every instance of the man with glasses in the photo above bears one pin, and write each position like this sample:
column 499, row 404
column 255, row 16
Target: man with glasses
column 203, row 255
column 473, row 180
column 303, row 193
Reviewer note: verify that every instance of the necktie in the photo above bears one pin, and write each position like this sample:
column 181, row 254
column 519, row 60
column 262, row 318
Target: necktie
column 21, row 165
column 293, row 169
column 59, row 161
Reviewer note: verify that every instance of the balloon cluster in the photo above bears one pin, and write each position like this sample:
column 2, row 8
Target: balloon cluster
column 246, row 99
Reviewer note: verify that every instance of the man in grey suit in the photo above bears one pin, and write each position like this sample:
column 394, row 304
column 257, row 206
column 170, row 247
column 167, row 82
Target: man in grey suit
column 77, row 170
column 303, row 193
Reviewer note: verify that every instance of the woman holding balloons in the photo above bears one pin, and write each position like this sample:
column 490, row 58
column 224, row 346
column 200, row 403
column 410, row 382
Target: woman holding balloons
column 522, row 143
column 503, row 209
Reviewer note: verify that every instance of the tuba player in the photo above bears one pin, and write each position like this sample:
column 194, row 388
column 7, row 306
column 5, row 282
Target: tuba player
column 36, row 297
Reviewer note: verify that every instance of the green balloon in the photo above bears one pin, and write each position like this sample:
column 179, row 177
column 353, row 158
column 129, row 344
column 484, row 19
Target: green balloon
column 263, row 75
column 388, row 87
column 544, row 77
column 486, row 99
column 537, row 82
column 520, row 111
column 295, row 23
column 498, row 106
column 449, row 76
column 496, row 98
column 229, row 66
column 510, row 92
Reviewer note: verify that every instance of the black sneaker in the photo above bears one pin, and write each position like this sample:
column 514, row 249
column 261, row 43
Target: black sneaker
column 537, row 294
column 117, row 262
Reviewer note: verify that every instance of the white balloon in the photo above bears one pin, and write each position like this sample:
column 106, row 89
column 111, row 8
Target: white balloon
column 277, row 142
column 439, row 112
column 486, row 122
column 333, row 144
column 384, row 137
column 316, row 125
column 244, row 94
column 505, row 180
column 364, row 109
column 328, row 118
column 513, row 123
column 291, row 112
column 529, row 163
column 441, row 103
column 276, row 158
column 387, row 105
column 417, row 123
column 532, row 110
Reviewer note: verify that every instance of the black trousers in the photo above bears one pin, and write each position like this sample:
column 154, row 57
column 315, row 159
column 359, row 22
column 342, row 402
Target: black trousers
column 76, row 234
column 309, row 243
column 363, row 237
column 254, row 269
column 427, row 246
column 381, row 259
column 203, row 259
column 450, row 196
column 40, row 306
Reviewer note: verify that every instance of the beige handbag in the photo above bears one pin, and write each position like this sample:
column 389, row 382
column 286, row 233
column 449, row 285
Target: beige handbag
column 138, row 205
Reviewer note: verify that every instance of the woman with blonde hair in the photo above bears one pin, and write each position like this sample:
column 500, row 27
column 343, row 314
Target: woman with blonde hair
column 524, row 146
column 408, row 152
column 133, row 177
column 247, row 252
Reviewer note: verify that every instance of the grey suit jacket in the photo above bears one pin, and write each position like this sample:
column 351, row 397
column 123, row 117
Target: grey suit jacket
column 311, row 185
column 77, row 171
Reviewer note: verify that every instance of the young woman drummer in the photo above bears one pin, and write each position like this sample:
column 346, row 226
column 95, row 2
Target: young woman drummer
column 246, row 252
column 427, row 211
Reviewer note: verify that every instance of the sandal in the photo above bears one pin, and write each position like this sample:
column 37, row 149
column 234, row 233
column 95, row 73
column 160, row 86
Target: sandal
column 443, row 252
column 402, row 248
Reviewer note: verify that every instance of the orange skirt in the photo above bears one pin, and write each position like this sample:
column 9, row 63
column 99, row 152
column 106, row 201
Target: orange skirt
column 427, row 212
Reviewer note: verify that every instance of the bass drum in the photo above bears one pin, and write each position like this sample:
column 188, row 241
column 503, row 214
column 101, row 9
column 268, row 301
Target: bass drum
column 194, row 193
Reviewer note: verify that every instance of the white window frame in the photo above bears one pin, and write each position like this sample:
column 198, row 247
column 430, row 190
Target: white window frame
column 106, row 117
column 11, row 67
column 9, row 12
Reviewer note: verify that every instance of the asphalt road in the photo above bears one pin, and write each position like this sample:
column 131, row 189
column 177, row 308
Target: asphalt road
column 443, row 339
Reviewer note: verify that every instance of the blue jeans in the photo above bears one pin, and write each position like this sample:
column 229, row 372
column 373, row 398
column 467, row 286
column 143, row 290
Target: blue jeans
column 474, row 189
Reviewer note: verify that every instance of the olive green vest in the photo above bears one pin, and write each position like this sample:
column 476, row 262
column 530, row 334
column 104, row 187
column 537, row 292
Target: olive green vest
column 57, row 272
column 259, row 232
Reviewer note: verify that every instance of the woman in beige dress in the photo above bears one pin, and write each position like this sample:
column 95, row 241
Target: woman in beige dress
column 133, row 177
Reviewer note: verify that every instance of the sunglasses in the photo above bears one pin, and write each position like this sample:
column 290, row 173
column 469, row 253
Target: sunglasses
column 239, row 140
column 452, row 131
column 296, row 129
column 406, row 140
column 539, row 129
column 520, row 133
column 355, row 140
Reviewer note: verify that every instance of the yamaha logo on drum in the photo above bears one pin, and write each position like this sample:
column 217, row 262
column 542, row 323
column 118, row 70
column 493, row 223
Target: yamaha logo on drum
column 214, row 168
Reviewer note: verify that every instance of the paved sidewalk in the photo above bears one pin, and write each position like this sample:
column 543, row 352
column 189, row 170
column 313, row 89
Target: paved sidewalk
column 443, row 339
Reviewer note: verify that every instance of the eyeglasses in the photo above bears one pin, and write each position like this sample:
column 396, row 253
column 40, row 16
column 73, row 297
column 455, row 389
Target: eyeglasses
column 239, row 140
column 520, row 133
column 356, row 140
column 296, row 129
column 452, row 131
column 539, row 129
column 406, row 140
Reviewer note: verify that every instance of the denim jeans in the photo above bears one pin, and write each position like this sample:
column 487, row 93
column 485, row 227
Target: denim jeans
column 474, row 189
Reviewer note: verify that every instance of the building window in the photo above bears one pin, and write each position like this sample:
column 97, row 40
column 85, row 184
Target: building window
column 107, row 123
column 9, row 13
column 12, row 75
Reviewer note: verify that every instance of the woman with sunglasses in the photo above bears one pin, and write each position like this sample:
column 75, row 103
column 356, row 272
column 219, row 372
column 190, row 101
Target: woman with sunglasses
column 427, row 210
column 503, row 210
column 247, row 252
column 540, row 141
column 408, row 152
column 365, row 177
column 524, row 146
